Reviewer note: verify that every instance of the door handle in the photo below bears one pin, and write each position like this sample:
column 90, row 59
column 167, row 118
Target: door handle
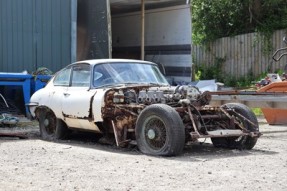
column 66, row 94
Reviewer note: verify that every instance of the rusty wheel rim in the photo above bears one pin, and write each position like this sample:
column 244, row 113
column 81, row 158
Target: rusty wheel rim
column 155, row 133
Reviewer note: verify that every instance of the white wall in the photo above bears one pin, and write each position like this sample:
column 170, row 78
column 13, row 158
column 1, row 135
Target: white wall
column 166, row 26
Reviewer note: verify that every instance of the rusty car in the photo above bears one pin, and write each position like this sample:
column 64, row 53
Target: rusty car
column 131, row 102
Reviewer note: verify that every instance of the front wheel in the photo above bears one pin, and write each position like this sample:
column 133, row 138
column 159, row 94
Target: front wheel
column 51, row 128
column 160, row 131
column 243, row 142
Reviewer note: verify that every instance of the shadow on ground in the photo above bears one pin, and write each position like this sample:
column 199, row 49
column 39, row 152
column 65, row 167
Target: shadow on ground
column 199, row 151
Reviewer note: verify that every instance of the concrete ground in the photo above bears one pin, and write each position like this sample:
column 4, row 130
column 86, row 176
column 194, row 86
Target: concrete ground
column 83, row 164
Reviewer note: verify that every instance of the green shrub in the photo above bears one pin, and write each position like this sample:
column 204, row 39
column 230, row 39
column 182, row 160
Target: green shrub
column 215, row 71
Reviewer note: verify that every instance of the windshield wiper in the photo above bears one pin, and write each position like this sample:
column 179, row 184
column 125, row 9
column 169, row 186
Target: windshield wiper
column 131, row 83
column 109, row 85
column 144, row 83
column 157, row 84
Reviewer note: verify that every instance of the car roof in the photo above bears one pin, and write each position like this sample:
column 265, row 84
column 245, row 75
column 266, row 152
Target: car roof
column 112, row 60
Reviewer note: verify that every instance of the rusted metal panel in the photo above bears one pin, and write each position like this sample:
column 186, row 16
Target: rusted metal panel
column 243, row 53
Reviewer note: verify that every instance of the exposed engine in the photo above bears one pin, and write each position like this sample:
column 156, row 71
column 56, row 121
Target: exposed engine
column 166, row 95
column 125, row 107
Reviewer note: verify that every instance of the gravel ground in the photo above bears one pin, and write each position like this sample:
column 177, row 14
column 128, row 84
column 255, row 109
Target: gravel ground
column 34, row 164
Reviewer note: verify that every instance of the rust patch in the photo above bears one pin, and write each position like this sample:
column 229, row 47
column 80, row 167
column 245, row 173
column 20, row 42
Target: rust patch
column 75, row 117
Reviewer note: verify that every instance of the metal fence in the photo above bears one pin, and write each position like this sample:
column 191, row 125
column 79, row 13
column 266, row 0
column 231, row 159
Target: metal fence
column 242, row 54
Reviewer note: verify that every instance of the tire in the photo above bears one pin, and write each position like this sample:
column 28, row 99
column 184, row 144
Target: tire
column 51, row 128
column 160, row 131
column 244, row 142
column 62, row 130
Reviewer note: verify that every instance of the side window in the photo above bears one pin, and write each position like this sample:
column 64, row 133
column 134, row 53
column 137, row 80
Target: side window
column 63, row 77
column 81, row 75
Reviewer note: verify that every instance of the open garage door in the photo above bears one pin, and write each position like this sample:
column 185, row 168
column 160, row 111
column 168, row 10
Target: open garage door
column 115, row 29
column 167, row 37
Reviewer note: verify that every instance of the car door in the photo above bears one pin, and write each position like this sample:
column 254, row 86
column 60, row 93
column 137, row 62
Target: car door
column 78, row 98
column 60, row 85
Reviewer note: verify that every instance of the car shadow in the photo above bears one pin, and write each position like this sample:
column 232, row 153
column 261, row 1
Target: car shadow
column 196, row 152
column 91, row 141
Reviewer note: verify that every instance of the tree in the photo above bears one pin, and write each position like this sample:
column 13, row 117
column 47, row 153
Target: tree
column 213, row 19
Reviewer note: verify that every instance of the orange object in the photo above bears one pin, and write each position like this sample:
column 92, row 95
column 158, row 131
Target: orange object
column 275, row 116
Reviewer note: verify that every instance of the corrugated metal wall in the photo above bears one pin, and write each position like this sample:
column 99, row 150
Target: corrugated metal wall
column 35, row 33
column 243, row 54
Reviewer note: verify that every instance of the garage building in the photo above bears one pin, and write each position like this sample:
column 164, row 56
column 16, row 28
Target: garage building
column 53, row 33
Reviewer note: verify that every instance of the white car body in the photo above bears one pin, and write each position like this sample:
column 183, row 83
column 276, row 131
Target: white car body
column 131, row 101
column 70, row 105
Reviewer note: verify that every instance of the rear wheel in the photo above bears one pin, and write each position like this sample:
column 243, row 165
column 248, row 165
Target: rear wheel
column 51, row 128
column 243, row 142
column 160, row 131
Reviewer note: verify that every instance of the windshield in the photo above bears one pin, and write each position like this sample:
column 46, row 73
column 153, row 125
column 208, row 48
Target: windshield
column 126, row 73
